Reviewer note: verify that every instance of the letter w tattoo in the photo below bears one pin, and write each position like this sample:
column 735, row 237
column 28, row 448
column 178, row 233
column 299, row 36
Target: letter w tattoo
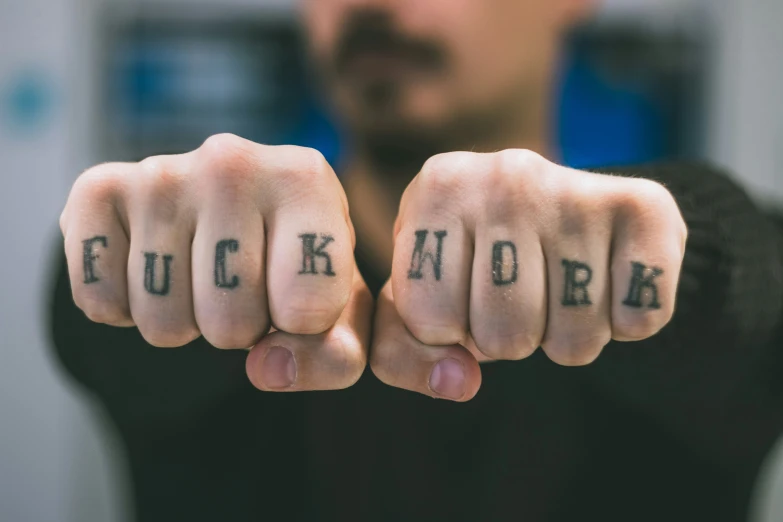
column 420, row 256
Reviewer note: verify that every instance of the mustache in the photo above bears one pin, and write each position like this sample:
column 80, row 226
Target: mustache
column 371, row 31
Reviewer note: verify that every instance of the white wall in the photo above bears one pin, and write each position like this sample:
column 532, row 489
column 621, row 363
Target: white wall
column 55, row 462
column 747, row 106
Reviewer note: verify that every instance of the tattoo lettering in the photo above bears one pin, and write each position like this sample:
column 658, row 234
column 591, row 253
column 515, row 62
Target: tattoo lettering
column 577, row 277
column 497, row 263
column 149, row 273
column 420, row 256
column 310, row 253
column 640, row 281
column 90, row 256
column 221, row 279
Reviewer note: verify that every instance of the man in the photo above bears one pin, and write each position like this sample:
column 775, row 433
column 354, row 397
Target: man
column 491, row 251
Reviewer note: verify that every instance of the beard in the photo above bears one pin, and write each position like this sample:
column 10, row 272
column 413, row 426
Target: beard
column 396, row 144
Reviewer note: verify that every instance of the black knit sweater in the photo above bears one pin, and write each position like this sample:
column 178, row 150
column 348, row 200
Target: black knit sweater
column 671, row 428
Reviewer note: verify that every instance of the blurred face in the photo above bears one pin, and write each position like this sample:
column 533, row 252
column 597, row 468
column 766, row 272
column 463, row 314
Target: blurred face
column 430, row 65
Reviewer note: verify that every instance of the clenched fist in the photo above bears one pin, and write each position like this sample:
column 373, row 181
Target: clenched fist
column 498, row 254
column 226, row 242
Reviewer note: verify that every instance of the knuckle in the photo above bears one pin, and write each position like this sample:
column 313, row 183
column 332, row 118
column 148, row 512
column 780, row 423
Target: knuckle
column 300, row 165
column 224, row 151
column 310, row 167
column 161, row 336
column 98, row 183
column 160, row 188
column 581, row 211
column 96, row 190
column 229, row 164
column 225, row 175
column 447, row 172
column 516, row 184
column 159, row 176
column 517, row 163
column 307, row 316
column 233, row 335
column 635, row 327
column 644, row 197
column 98, row 310
column 436, row 334
column 313, row 162
column 575, row 350
column 512, row 347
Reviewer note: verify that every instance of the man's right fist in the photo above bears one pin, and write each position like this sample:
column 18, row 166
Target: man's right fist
column 225, row 242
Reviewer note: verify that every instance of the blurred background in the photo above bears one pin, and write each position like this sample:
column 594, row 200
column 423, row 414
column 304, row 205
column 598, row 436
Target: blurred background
column 85, row 81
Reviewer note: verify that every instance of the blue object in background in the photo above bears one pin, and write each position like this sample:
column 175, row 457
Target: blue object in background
column 26, row 102
column 174, row 86
column 600, row 123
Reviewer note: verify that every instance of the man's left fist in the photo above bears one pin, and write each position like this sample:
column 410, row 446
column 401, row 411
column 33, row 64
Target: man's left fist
column 498, row 254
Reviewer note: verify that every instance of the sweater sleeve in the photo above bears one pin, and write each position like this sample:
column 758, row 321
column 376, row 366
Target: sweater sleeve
column 714, row 374
column 145, row 389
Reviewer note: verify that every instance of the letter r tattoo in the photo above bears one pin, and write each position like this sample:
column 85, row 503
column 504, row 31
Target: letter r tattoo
column 577, row 277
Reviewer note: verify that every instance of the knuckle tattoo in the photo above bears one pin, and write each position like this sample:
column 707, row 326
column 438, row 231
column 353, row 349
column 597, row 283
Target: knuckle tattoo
column 428, row 260
column 316, row 260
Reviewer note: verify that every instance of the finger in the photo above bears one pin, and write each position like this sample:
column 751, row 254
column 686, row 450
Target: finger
column 649, row 247
column 398, row 359
column 229, row 278
column 508, row 297
column 433, row 252
column 331, row 360
column 576, row 247
column 159, row 265
column 96, row 245
column 310, row 245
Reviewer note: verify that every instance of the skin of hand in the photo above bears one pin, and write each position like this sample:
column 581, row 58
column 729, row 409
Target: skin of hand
column 228, row 241
column 497, row 254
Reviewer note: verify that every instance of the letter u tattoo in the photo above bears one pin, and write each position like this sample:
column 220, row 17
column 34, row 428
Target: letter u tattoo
column 149, row 274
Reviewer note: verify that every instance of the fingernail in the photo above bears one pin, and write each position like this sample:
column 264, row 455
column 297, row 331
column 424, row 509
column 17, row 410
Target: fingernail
column 278, row 371
column 448, row 379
